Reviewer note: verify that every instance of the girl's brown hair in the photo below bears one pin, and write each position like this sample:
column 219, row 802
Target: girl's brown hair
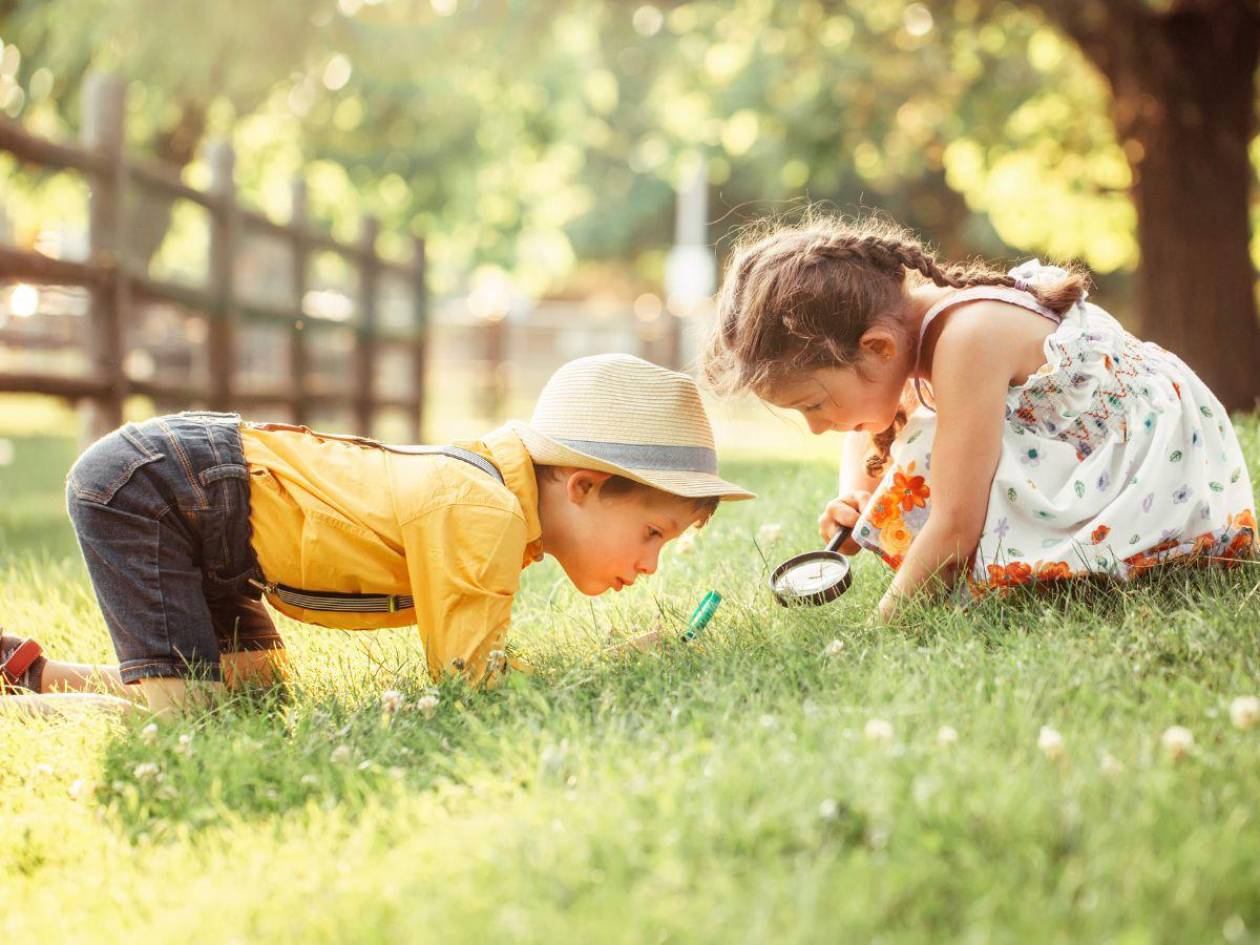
column 801, row 296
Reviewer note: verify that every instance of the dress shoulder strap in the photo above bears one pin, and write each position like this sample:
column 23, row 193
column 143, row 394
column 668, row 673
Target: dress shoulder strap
column 993, row 293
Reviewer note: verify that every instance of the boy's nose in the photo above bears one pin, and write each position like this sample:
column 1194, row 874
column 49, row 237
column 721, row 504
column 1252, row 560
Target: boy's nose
column 648, row 565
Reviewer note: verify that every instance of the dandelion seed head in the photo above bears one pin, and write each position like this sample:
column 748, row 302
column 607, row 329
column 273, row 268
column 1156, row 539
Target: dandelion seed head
column 878, row 730
column 1051, row 743
column 769, row 533
column 1244, row 712
column 427, row 705
column 1177, row 741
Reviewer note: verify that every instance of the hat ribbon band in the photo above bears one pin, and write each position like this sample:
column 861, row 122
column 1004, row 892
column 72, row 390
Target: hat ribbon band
column 648, row 455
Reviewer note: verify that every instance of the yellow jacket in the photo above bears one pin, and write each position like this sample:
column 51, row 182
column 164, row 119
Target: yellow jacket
column 335, row 515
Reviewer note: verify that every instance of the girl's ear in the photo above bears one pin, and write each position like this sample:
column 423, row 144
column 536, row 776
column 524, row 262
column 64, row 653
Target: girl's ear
column 584, row 483
column 879, row 344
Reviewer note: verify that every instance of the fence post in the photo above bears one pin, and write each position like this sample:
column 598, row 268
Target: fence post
column 104, row 105
column 298, row 361
column 221, row 288
column 420, row 341
column 365, row 348
column 495, row 384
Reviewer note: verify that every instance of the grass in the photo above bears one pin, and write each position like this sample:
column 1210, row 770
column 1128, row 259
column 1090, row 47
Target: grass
column 716, row 793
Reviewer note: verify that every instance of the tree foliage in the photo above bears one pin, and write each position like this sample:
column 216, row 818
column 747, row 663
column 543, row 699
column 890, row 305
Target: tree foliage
column 529, row 136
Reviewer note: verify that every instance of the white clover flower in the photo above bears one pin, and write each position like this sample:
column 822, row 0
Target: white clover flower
column 946, row 735
column 1177, row 741
column 1109, row 764
column 1244, row 711
column 76, row 789
column 149, row 733
column 146, row 769
column 878, row 730
column 427, row 705
column 392, row 700
column 339, row 754
column 828, row 809
column 185, row 744
column 44, row 769
column 364, row 765
column 834, row 649
column 769, row 533
column 686, row 541
column 496, row 662
column 1051, row 743
column 309, row 779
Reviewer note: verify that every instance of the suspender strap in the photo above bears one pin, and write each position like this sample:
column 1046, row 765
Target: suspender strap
column 373, row 603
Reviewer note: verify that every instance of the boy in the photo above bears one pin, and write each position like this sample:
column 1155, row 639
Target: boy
column 185, row 522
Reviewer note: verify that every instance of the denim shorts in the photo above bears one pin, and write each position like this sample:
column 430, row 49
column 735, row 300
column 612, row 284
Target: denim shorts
column 161, row 511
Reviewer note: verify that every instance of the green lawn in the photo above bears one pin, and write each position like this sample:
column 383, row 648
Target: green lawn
column 718, row 793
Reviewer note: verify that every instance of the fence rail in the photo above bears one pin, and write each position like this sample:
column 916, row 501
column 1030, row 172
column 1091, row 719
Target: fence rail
column 116, row 287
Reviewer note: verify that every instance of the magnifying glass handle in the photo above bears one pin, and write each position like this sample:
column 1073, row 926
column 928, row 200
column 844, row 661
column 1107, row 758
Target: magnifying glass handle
column 840, row 537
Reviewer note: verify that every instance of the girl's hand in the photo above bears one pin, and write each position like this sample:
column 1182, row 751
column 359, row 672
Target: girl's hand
column 843, row 512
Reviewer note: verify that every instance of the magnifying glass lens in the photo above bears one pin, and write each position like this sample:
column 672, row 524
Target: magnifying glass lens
column 811, row 577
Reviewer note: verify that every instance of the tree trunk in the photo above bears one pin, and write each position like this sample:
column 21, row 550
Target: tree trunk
column 1184, row 104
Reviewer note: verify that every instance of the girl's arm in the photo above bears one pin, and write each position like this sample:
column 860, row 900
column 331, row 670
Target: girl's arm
column 974, row 360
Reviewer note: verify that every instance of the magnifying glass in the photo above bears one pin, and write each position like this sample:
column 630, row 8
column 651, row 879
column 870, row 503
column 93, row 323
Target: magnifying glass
column 816, row 577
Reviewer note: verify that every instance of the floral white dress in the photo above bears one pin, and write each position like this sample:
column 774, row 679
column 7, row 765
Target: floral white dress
column 1115, row 458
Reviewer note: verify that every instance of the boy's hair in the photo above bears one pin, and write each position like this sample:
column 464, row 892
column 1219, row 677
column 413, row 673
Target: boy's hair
column 800, row 296
column 615, row 486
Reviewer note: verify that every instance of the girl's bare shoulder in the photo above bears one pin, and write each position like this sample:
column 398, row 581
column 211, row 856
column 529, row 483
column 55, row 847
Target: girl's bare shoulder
column 990, row 335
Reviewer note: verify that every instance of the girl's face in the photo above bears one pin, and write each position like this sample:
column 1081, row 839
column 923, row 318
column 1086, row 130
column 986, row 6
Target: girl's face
column 862, row 397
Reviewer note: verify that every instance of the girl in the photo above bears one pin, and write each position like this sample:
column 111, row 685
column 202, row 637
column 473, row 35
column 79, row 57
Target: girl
column 1008, row 430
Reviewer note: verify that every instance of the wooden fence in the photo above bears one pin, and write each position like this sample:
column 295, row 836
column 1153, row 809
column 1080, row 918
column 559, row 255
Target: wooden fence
column 115, row 287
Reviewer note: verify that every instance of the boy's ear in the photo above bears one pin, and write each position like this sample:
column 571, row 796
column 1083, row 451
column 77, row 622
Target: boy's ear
column 878, row 343
column 584, row 483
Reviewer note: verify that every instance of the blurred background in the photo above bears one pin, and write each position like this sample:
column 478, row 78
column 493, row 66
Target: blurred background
column 398, row 217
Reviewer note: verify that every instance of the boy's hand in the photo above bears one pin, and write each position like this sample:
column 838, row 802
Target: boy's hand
column 643, row 642
column 843, row 511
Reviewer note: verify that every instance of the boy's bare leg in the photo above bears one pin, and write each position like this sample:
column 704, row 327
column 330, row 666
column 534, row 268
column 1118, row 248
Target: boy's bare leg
column 85, row 677
column 49, row 703
column 171, row 695
column 255, row 668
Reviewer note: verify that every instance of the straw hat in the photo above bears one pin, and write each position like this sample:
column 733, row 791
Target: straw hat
column 620, row 414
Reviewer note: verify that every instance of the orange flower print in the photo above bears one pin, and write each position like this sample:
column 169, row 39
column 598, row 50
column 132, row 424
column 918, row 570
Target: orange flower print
column 1012, row 575
column 894, row 561
column 896, row 538
column 1244, row 519
column 910, row 491
column 884, row 510
column 1018, row 573
column 1099, row 534
column 1053, row 570
column 1140, row 563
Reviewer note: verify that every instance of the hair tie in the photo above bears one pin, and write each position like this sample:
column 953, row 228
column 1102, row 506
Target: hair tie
column 1023, row 284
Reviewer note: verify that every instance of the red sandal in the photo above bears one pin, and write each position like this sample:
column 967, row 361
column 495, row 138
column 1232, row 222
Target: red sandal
column 21, row 665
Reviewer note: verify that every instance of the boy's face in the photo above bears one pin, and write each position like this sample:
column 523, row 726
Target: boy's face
column 606, row 542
